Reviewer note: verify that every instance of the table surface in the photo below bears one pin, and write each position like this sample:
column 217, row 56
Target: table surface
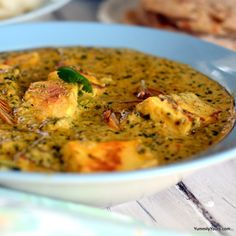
column 204, row 199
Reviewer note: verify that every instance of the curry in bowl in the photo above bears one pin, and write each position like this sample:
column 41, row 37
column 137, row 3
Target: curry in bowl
column 88, row 110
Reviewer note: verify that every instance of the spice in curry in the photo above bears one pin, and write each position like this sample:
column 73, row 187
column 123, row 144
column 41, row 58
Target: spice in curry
column 119, row 110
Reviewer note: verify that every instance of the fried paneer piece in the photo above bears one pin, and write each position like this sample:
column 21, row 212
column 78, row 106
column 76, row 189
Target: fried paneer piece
column 98, row 87
column 24, row 61
column 50, row 99
column 193, row 104
column 91, row 156
column 178, row 114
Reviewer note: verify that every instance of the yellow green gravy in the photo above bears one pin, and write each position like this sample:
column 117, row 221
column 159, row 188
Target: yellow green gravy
column 122, row 77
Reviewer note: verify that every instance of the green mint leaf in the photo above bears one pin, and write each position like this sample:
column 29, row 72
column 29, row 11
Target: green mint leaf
column 70, row 75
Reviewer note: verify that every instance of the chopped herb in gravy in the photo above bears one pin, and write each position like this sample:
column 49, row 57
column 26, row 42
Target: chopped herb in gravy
column 98, row 109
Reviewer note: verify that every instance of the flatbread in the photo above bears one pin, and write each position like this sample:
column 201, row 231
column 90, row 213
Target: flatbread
column 143, row 17
column 216, row 17
column 171, row 8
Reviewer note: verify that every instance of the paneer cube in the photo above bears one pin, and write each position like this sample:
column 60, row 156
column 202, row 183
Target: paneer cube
column 192, row 103
column 178, row 114
column 51, row 99
column 90, row 156
column 24, row 61
column 98, row 87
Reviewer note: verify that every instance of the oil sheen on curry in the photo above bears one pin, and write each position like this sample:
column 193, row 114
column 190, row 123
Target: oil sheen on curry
column 98, row 109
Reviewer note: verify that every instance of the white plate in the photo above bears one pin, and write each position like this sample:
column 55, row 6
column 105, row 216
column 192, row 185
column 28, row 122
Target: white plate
column 112, row 11
column 47, row 7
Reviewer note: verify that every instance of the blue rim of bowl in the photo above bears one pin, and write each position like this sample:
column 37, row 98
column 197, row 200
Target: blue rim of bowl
column 202, row 160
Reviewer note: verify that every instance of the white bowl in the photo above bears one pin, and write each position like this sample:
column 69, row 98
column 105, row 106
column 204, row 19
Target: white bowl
column 111, row 188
